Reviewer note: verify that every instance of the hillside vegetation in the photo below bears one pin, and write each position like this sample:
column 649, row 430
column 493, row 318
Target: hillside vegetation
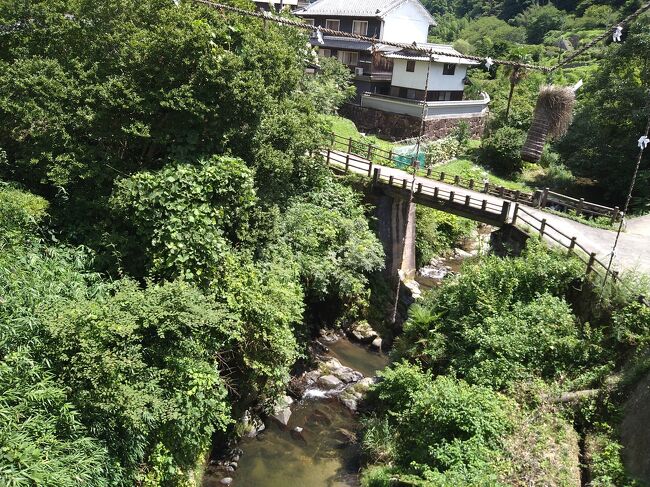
column 601, row 145
column 165, row 237
column 499, row 373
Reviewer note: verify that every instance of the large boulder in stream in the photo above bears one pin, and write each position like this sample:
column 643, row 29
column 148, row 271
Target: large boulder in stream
column 282, row 411
column 362, row 332
column 353, row 394
column 329, row 381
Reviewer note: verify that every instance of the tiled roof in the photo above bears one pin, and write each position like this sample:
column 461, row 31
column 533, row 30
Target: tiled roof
column 357, row 8
column 351, row 44
column 440, row 58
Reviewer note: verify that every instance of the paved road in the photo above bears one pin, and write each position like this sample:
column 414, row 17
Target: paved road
column 632, row 254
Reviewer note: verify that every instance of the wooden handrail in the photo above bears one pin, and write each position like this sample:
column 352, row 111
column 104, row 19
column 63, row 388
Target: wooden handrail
column 498, row 212
column 378, row 155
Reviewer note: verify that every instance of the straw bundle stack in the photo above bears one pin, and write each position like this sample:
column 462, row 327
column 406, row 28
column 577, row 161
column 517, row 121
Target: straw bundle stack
column 552, row 117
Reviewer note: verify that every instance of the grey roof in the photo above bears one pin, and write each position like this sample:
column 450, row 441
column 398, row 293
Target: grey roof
column 359, row 8
column 351, row 44
column 455, row 57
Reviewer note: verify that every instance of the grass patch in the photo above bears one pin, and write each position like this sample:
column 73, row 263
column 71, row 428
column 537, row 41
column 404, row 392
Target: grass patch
column 346, row 128
column 466, row 169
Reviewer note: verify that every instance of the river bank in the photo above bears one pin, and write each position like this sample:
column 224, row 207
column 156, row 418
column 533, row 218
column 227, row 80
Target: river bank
column 312, row 440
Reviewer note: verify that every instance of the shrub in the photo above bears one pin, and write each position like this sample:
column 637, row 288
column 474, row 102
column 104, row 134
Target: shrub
column 442, row 428
column 534, row 338
column 480, row 293
column 437, row 232
column 442, row 150
column 462, row 133
column 20, row 214
column 549, row 157
column 501, row 150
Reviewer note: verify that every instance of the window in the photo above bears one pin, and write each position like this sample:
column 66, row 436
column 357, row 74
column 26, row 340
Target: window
column 324, row 52
column 441, row 96
column 349, row 58
column 411, row 94
column 402, row 92
column 333, row 24
column 410, row 66
column 360, row 27
column 449, row 69
column 309, row 21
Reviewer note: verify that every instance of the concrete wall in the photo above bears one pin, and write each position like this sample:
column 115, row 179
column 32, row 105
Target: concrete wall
column 437, row 80
column 435, row 109
column 395, row 219
column 400, row 126
column 405, row 24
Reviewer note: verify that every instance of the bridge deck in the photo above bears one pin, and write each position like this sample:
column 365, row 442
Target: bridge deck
column 633, row 252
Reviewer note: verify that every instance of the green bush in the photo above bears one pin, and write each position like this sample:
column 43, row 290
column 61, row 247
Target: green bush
column 444, row 430
column 462, row 133
column 20, row 213
column 442, row 150
column 501, row 150
column 482, row 293
column 438, row 232
column 538, row 338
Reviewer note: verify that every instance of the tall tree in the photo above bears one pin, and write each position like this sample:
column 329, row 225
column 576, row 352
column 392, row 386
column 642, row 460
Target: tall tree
column 613, row 112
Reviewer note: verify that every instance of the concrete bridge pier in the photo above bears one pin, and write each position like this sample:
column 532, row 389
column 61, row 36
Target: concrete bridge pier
column 396, row 224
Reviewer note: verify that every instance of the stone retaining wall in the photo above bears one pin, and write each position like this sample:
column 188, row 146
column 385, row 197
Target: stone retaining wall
column 398, row 126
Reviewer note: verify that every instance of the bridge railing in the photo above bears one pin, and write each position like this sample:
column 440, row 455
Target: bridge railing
column 497, row 211
column 541, row 198
column 535, row 225
column 494, row 212
column 523, row 219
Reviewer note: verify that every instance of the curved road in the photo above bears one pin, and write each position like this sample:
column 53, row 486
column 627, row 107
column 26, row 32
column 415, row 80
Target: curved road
column 633, row 251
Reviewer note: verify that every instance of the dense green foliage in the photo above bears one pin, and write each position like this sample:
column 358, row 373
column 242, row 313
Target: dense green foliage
column 612, row 116
column 611, row 110
column 443, row 430
column 436, row 233
column 172, row 147
column 521, row 327
column 501, row 150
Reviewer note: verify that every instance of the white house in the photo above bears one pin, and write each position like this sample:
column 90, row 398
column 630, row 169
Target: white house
column 383, row 20
column 391, row 80
column 278, row 4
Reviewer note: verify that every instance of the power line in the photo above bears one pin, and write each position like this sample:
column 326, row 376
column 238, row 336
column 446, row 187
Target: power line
column 427, row 50
column 622, row 24
column 411, row 47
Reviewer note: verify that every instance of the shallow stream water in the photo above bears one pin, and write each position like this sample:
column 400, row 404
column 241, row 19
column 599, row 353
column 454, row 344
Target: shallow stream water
column 321, row 455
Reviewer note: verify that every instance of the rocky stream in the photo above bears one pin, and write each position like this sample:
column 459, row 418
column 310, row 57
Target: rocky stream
column 311, row 437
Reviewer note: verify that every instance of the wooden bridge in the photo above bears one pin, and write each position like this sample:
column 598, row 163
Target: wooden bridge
column 592, row 245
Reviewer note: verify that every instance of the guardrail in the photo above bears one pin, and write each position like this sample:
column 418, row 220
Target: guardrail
column 541, row 198
column 430, row 194
column 544, row 198
column 546, row 230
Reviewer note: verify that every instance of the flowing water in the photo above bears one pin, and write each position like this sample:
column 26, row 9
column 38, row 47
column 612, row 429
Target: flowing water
column 324, row 453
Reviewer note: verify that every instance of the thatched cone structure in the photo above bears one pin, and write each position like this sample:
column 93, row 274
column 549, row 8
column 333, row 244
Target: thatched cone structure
column 552, row 117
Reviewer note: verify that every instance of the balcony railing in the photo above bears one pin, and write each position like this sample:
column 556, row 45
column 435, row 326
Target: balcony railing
column 434, row 109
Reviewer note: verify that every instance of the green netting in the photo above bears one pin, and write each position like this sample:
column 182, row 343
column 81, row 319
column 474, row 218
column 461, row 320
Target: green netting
column 403, row 156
